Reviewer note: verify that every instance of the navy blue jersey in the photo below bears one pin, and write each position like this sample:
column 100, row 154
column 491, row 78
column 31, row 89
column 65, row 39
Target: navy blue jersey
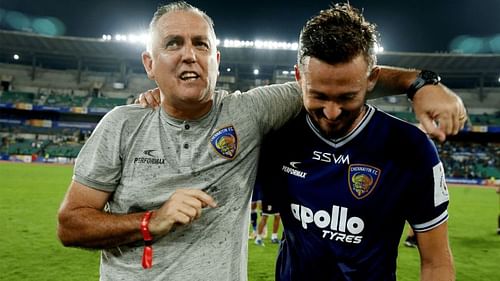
column 344, row 202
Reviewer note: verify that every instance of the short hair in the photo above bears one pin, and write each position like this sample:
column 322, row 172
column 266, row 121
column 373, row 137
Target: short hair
column 338, row 35
column 176, row 7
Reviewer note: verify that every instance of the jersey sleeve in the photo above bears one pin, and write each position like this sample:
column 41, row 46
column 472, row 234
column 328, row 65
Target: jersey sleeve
column 430, row 197
column 272, row 105
column 98, row 164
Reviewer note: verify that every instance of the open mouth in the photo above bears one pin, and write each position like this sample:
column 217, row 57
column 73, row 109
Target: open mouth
column 189, row 76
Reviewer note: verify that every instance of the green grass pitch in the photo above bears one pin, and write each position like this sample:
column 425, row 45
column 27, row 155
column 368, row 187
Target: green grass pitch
column 30, row 195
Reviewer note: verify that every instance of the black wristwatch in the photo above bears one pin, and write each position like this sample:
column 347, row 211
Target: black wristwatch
column 425, row 77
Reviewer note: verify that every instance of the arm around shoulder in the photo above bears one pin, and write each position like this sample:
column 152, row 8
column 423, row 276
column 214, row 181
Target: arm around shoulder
column 271, row 106
column 392, row 81
column 440, row 111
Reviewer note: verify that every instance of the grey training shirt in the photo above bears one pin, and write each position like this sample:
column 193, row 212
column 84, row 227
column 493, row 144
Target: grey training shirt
column 142, row 156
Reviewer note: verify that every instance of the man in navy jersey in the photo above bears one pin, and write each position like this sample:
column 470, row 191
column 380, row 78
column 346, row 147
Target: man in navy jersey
column 346, row 176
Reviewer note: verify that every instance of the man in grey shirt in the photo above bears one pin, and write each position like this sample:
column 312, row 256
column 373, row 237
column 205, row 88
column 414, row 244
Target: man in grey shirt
column 178, row 179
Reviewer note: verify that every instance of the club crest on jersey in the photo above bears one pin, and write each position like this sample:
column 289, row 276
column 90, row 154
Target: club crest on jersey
column 225, row 142
column 362, row 179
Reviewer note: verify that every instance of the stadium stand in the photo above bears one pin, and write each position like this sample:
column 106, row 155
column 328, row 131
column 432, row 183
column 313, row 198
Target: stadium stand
column 52, row 98
column 470, row 160
column 108, row 103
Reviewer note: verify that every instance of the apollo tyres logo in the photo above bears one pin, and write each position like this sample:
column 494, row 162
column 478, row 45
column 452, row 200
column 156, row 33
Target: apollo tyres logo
column 151, row 159
column 225, row 142
column 335, row 224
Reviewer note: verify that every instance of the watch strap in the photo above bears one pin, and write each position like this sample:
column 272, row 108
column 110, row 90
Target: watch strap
column 425, row 77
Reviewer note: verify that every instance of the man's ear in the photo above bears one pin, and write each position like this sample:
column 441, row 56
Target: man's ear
column 297, row 72
column 147, row 61
column 218, row 63
column 373, row 78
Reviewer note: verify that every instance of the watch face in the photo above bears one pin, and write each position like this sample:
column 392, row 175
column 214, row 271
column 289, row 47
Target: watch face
column 430, row 77
column 425, row 77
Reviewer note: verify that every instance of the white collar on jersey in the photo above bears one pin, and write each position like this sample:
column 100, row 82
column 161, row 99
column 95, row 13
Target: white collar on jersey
column 370, row 110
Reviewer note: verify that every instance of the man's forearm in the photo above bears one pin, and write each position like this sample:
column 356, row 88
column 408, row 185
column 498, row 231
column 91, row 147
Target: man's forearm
column 436, row 259
column 393, row 81
column 94, row 229
column 443, row 272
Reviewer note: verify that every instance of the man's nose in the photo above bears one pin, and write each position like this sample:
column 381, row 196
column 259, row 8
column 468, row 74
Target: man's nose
column 332, row 110
column 189, row 54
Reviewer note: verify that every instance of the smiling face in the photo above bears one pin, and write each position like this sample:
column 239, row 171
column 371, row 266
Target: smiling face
column 337, row 67
column 184, row 61
column 334, row 94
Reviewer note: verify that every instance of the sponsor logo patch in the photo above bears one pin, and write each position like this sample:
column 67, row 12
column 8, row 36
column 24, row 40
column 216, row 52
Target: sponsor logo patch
column 225, row 142
column 335, row 223
column 152, row 159
column 362, row 179
column 295, row 170
column 149, row 152
column 440, row 189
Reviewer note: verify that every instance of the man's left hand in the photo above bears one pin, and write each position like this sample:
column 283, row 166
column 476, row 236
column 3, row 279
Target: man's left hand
column 150, row 98
column 440, row 111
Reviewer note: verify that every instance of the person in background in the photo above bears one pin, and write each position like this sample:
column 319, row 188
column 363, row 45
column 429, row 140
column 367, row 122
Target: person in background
column 267, row 211
column 498, row 192
column 411, row 239
column 255, row 206
column 164, row 193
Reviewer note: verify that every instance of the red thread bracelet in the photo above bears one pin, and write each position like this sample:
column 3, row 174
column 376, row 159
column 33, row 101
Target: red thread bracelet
column 147, row 256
